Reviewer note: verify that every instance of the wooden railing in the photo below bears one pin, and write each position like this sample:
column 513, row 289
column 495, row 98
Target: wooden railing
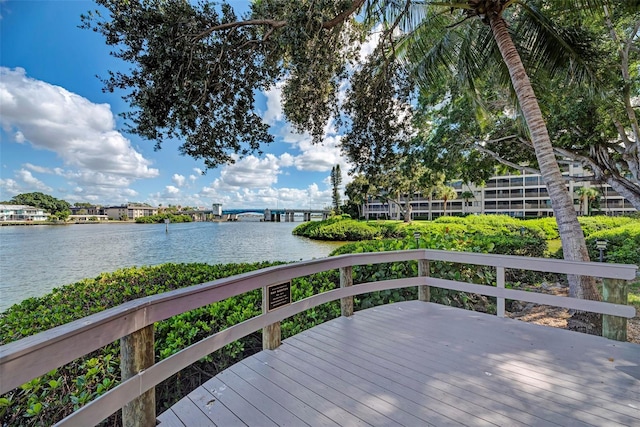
column 132, row 322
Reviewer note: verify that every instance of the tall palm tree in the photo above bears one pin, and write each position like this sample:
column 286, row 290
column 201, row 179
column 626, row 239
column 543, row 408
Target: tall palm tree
column 445, row 194
column 587, row 195
column 466, row 195
column 459, row 37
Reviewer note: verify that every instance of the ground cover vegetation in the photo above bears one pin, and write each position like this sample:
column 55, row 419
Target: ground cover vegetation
column 49, row 398
column 159, row 218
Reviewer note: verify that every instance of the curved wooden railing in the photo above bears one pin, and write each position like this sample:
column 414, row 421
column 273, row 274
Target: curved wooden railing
column 132, row 322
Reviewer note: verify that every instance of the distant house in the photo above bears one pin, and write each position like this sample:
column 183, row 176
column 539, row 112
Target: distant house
column 87, row 218
column 129, row 211
column 87, row 210
column 22, row 213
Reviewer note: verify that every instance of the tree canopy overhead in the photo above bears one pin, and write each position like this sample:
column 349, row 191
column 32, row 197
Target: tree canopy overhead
column 196, row 68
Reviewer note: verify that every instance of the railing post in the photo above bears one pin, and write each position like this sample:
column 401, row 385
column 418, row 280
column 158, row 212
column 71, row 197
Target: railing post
column 424, row 292
column 271, row 336
column 346, row 280
column 136, row 354
column 500, row 284
column 614, row 327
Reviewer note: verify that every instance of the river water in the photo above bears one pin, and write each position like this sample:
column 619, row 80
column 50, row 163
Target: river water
column 36, row 259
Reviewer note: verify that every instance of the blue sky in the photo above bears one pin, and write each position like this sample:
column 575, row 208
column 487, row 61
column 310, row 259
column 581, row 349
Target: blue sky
column 61, row 135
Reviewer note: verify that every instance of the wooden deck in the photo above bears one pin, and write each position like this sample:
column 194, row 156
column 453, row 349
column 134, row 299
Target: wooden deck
column 420, row 364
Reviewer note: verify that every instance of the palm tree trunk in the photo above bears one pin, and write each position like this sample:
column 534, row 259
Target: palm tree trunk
column 573, row 241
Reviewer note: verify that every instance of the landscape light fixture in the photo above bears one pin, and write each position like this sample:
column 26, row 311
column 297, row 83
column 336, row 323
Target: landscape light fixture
column 601, row 245
column 417, row 235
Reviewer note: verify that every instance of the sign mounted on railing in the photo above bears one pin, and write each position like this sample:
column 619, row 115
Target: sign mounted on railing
column 278, row 295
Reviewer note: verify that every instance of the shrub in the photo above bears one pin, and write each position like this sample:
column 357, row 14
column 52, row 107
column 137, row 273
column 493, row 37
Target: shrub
column 49, row 398
column 622, row 244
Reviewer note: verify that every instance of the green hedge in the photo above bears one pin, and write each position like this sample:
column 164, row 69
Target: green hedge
column 623, row 244
column 154, row 219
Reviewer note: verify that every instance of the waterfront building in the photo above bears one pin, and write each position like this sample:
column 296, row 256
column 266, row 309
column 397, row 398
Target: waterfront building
column 129, row 211
column 80, row 218
column 522, row 195
column 19, row 213
column 87, row 210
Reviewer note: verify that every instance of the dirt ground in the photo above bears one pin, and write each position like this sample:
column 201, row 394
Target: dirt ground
column 557, row 317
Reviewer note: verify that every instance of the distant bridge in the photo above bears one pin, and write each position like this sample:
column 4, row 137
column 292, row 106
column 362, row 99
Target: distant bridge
column 268, row 215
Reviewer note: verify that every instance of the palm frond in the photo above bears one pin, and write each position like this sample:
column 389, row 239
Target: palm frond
column 544, row 44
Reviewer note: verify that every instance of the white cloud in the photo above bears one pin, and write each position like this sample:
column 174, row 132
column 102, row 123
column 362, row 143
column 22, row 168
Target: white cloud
column 270, row 197
column 31, row 181
column 38, row 169
column 179, row 180
column 198, row 171
column 9, row 188
column 274, row 111
column 79, row 131
column 251, row 172
column 193, row 178
column 19, row 137
column 170, row 189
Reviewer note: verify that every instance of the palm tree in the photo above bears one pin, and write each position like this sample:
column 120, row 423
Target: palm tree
column 440, row 40
column 586, row 195
column 446, row 193
column 466, row 195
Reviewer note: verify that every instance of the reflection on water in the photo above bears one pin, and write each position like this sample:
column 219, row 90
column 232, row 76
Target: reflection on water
column 36, row 259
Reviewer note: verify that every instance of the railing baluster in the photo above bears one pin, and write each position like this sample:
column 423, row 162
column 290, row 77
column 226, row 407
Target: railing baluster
column 500, row 284
column 271, row 334
column 137, row 354
column 424, row 292
column 614, row 327
column 346, row 280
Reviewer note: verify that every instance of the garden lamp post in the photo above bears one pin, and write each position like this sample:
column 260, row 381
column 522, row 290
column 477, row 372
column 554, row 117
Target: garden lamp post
column 601, row 245
column 416, row 236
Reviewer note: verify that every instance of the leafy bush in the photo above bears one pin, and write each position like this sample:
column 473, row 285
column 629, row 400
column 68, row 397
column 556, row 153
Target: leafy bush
column 159, row 218
column 338, row 229
column 51, row 397
column 623, row 244
column 592, row 224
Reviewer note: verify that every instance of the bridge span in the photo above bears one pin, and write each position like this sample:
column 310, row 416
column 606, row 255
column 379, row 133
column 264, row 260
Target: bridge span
column 268, row 215
column 275, row 215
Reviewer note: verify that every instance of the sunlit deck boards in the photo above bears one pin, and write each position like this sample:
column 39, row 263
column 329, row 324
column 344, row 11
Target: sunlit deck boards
column 416, row 364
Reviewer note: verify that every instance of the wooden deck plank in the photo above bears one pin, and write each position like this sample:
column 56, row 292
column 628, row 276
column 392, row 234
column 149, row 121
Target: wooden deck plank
column 418, row 364
column 346, row 396
column 213, row 408
column 620, row 403
column 603, row 376
column 169, row 419
column 555, row 342
column 264, row 403
column 289, row 401
column 334, row 411
column 379, row 398
column 601, row 358
column 522, row 331
column 560, row 391
column 476, row 382
column 243, row 409
column 189, row 413
column 411, row 389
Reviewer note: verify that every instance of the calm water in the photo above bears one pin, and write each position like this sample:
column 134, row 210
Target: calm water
column 36, row 259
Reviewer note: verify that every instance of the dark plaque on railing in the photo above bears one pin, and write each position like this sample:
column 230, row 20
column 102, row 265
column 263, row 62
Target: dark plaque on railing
column 278, row 295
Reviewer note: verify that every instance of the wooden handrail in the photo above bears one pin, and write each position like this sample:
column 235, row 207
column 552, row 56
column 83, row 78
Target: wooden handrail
column 22, row 360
